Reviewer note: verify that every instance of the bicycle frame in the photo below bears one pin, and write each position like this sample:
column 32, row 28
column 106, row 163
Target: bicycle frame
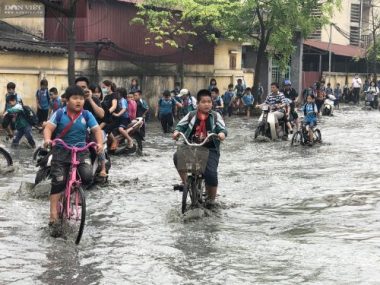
column 73, row 179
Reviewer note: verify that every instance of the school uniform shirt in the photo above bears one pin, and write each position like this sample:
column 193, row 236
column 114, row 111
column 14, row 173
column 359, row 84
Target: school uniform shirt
column 55, row 104
column 77, row 134
column 248, row 99
column 43, row 98
column 227, row 97
column 142, row 107
column 166, row 106
column 123, row 103
column 310, row 110
column 7, row 105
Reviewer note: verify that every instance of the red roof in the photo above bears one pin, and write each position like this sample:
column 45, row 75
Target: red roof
column 349, row 51
column 131, row 1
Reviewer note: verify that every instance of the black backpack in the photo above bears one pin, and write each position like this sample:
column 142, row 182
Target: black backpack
column 30, row 116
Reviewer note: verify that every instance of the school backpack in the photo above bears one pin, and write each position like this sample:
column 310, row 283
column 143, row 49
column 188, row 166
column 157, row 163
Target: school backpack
column 30, row 116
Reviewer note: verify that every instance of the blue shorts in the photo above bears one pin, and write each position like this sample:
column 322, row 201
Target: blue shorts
column 311, row 123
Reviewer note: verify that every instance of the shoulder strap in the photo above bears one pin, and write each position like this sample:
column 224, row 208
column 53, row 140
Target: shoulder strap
column 69, row 125
column 191, row 115
column 58, row 115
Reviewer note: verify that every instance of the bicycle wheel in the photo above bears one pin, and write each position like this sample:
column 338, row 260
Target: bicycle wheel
column 317, row 136
column 201, row 185
column 5, row 158
column 194, row 192
column 297, row 139
column 74, row 214
column 184, row 194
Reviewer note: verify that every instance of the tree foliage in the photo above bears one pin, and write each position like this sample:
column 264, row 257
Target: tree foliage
column 267, row 23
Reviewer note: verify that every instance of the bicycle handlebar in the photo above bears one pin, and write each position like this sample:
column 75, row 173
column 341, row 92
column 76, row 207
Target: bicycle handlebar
column 196, row 144
column 78, row 149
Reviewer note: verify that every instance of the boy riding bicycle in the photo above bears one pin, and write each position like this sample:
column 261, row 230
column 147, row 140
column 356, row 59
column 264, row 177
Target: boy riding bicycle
column 71, row 127
column 195, row 126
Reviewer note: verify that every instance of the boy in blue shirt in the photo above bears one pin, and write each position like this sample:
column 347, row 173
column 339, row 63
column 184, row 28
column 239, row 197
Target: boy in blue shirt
column 227, row 100
column 69, row 124
column 55, row 101
column 196, row 125
column 310, row 111
column 23, row 128
column 43, row 102
column 165, row 111
column 248, row 101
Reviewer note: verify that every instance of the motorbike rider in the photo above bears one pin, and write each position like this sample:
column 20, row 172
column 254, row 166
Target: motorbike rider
column 291, row 94
column 372, row 92
column 277, row 102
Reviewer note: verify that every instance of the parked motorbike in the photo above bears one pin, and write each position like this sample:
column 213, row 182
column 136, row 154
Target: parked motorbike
column 371, row 100
column 135, row 133
column 267, row 125
column 328, row 105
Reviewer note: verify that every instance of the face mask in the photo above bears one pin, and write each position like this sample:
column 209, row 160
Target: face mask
column 105, row 91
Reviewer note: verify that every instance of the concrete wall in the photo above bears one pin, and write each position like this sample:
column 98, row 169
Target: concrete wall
column 26, row 70
column 339, row 77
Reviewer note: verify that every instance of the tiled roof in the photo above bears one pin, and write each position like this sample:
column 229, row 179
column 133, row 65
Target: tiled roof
column 342, row 50
column 12, row 38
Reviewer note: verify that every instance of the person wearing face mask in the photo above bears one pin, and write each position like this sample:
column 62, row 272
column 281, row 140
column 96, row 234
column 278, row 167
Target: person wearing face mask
column 111, row 106
column 9, row 119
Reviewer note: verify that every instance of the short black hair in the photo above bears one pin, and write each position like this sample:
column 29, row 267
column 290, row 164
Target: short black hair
column 53, row 90
column 248, row 89
column 230, row 85
column 82, row 78
column 203, row 93
column 44, row 82
column 166, row 93
column 311, row 95
column 122, row 92
column 275, row 84
column 73, row 90
column 131, row 93
column 11, row 85
column 138, row 91
column 215, row 89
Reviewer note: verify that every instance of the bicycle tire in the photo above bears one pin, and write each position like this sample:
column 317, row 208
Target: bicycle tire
column 194, row 193
column 297, row 139
column 6, row 156
column 77, row 197
column 184, row 197
column 318, row 136
column 200, row 185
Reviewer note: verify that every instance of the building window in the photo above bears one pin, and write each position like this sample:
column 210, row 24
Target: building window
column 355, row 13
column 232, row 61
column 354, row 36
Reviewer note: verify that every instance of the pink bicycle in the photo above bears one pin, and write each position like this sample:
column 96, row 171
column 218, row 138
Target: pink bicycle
column 72, row 205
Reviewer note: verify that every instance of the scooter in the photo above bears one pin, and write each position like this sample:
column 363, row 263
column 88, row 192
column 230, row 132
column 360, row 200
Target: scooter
column 43, row 158
column 371, row 100
column 267, row 125
column 136, row 136
column 328, row 105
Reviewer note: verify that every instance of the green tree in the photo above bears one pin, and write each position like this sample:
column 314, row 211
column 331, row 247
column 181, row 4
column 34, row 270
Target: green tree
column 269, row 25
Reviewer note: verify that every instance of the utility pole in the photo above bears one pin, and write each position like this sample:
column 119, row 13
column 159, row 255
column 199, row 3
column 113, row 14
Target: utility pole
column 329, row 48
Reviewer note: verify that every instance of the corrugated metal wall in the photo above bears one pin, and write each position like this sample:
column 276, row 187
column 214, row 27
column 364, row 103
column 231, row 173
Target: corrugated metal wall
column 111, row 20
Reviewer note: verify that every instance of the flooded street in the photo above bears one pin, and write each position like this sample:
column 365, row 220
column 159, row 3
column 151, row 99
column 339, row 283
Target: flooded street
column 286, row 216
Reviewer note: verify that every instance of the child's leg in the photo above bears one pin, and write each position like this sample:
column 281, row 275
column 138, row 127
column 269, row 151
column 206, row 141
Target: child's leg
column 29, row 136
column 59, row 173
column 170, row 122
column 163, row 123
column 128, row 137
column 19, row 135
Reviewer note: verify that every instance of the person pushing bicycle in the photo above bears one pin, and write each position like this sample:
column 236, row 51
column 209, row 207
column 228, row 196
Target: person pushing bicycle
column 70, row 124
column 195, row 126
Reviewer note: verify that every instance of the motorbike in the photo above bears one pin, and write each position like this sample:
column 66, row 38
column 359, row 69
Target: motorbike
column 267, row 125
column 328, row 105
column 43, row 158
column 371, row 100
column 137, row 137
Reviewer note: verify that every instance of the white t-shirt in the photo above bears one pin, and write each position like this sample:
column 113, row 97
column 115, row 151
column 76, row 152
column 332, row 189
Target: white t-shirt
column 356, row 82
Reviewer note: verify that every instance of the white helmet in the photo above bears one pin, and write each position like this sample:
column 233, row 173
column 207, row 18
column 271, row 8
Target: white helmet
column 183, row 92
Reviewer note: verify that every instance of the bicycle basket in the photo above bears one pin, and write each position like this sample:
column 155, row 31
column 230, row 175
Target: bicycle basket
column 192, row 159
